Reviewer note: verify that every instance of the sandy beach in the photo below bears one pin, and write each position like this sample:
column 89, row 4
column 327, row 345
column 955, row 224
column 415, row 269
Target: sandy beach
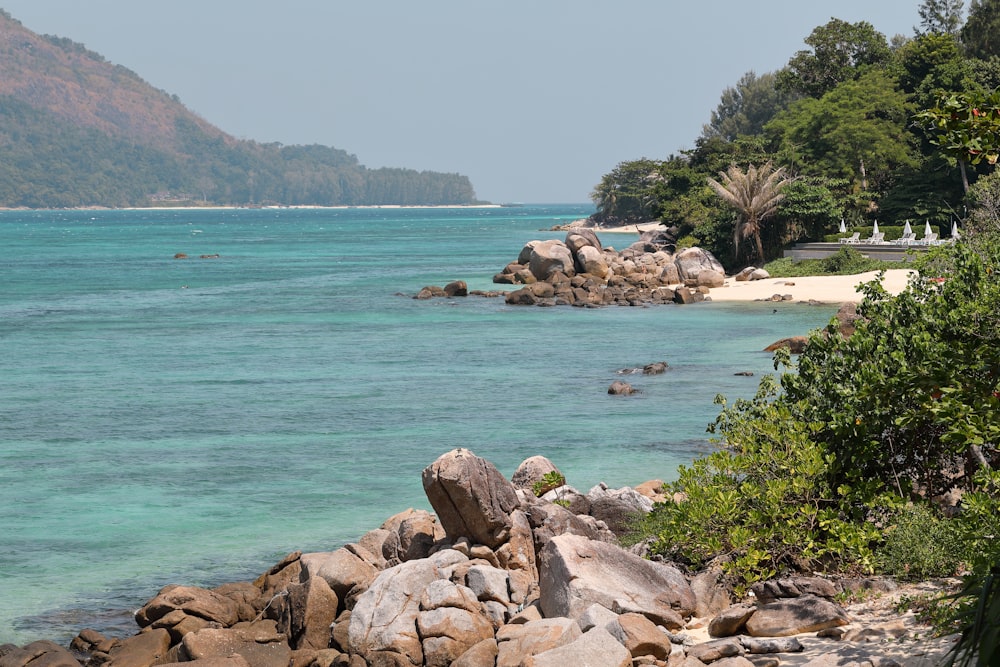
column 825, row 289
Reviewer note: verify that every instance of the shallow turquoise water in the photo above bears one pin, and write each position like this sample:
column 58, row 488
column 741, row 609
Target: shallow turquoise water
column 191, row 421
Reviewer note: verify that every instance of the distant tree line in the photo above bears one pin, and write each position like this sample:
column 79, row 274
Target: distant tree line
column 864, row 128
column 45, row 162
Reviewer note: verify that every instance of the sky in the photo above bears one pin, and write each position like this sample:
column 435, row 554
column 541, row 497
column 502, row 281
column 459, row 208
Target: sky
column 533, row 100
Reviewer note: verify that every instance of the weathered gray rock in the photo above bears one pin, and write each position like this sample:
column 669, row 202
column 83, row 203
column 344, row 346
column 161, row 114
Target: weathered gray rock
column 273, row 582
column 448, row 632
column 456, row 288
column 596, row 616
column 619, row 388
column 483, row 653
column 595, row 648
column 758, row 646
column 795, row 344
column 191, row 600
column 717, row 649
column 471, row 498
column 384, row 619
column 575, row 572
column 178, row 624
column 759, row 274
column 710, row 592
column 489, row 583
column 417, row 531
column 582, row 238
column 792, row 616
column 590, row 260
column 711, row 278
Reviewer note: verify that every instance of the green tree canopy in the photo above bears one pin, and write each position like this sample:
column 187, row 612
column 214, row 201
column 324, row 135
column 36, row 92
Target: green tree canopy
column 746, row 107
column 940, row 17
column 981, row 32
column 840, row 52
column 755, row 194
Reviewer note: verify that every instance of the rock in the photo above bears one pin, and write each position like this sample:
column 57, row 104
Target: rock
column 641, row 637
column 715, row 650
column 582, row 238
column 309, row 610
column 142, row 650
column 37, row 654
column 595, row 648
column 575, row 572
column 456, row 288
column 521, row 297
column 417, row 532
column 488, row 583
column 759, row 274
column 193, row 601
column 548, row 520
column 591, row 261
column 596, row 616
column 344, row 570
column 531, row 471
column 758, row 646
column 448, row 632
column 260, row 644
column 178, row 624
column 711, row 278
column 744, row 275
column 274, row 581
column 617, row 507
column 684, row 295
column 483, row 653
column 795, row 344
column 384, row 619
column 547, row 257
column 619, row 388
column 711, row 594
column 847, row 318
column 517, row 556
column 669, row 275
column 655, row 368
column 246, row 596
column 515, row 643
column 471, row 498
column 792, row 587
column 807, row 613
column 235, row 660
column 692, row 261
column 731, row 621
column 652, row 489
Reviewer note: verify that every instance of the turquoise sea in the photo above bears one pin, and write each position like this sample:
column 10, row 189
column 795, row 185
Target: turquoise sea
column 193, row 420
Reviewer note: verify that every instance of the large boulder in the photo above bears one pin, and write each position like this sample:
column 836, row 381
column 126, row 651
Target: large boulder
column 691, row 262
column 517, row 642
column 260, row 644
column 40, row 653
column 471, row 498
column 384, row 619
column 417, row 532
column 581, row 238
column 591, row 260
column 792, row 616
column 617, row 507
column 307, row 613
column 344, row 569
column 548, row 257
column 451, row 622
column 595, row 648
column 575, row 572
column 193, row 601
column 532, row 470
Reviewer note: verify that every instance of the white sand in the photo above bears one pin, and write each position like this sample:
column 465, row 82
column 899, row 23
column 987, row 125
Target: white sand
column 825, row 289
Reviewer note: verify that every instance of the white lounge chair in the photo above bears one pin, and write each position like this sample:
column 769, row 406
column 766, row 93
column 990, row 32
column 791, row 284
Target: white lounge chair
column 876, row 239
column 854, row 238
column 929, row 239
column 906, row 239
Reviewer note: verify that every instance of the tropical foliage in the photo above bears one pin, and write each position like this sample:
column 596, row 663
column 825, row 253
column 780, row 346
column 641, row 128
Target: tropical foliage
column 866, row 129
column 755, row 194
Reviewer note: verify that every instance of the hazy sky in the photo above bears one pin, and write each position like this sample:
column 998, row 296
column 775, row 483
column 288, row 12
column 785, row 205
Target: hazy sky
column 534, row 100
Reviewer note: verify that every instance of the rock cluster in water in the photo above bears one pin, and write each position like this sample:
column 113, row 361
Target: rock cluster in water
column 495, row 577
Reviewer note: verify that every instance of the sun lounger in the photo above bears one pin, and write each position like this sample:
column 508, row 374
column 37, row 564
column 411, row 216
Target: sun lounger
column 929, row 239
column 851, row 239
column 876, row 239
column 906, row 239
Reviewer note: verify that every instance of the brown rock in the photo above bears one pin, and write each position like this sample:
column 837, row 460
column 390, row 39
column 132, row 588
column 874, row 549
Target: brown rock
column 483, row 653
column 619, row 388
column 531, row 471
column 795, row 344
column 793, row 587
column 260, row 644
column 515, row 643
column 595, row 648
column 456, row 288
column 37, row 654
column 142, row 650
column 641, row 637
column 193, row 601
column 417, row 531
column 807, row 613
column 448, row 632
column 717, row 649
column 343, row 570
column 308, row 611
column 471, row 498
column 710, row 591
column 730, row 621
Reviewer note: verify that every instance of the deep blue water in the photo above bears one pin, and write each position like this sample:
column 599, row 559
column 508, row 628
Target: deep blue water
column 191, row 421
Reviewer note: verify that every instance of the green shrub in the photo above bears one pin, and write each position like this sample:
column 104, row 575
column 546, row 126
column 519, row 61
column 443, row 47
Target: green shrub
column 761, row 502
column 921, row 544
column 846, row 261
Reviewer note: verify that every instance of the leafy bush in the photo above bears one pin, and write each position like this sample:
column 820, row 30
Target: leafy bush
column 922, row 544
column 760, row 501
column 846, row 261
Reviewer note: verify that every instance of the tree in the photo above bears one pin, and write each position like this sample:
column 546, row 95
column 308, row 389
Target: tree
column 755, row 194
column 965, row 126
column 841, row 51
column 628, row 194
column 746, row 107
column 856, row 131
column 940, row 17
column 981, row 32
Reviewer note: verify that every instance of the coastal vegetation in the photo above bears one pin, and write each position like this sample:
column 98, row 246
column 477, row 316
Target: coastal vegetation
column 863, row 127
column 79, row 131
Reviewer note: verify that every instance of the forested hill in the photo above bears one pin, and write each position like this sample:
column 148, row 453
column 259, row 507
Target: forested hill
column 77, row 130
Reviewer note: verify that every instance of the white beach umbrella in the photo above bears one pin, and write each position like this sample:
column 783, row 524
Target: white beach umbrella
column 906, row 229
column 875, row 228
column 843, row 227
column 954, row 229
column 927, row 228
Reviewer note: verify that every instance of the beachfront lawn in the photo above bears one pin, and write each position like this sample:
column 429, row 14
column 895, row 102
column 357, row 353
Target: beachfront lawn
column 845, row 262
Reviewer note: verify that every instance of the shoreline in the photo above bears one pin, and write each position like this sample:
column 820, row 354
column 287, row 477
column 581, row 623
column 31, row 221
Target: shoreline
column 822, row 289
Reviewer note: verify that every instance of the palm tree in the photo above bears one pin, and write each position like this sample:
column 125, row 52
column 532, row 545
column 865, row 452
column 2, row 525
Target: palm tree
column 755, row 194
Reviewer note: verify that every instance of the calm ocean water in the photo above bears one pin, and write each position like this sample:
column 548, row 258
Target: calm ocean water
column 192, row 421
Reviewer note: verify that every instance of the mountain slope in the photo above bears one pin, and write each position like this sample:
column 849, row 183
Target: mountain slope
column 76, row 130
